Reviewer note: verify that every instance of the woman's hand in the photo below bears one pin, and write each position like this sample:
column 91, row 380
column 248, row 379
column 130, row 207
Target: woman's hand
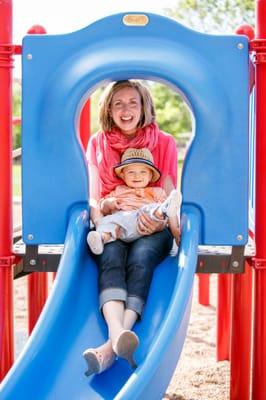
column 146, row 226
column 109, row 205
column 177, row 236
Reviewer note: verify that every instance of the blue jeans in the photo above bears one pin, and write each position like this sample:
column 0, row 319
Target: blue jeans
column 126, row 269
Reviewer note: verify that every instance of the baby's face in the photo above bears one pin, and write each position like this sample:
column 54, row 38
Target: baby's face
column 136, row 175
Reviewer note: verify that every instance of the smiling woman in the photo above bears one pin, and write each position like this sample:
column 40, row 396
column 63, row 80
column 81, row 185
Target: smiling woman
column 127, row 120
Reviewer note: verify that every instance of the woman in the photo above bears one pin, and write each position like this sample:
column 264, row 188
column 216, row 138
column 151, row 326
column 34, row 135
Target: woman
column 127, row 119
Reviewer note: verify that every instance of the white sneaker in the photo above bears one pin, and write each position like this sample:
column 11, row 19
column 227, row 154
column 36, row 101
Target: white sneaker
column 95, row 242
column 171, row 206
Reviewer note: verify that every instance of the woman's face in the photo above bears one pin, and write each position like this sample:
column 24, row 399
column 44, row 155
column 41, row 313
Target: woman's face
column 126, row 110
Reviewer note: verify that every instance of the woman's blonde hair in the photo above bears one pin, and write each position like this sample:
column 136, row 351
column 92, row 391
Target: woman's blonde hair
column 148, row 111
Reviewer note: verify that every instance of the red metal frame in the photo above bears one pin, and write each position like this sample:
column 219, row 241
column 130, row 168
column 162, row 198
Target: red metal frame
column 85, row 124
column 6, row 257
column 223, row 317
column 240, row 354
column 259, row 334
column 37, row 295
column 242, row 284
column 204, row 289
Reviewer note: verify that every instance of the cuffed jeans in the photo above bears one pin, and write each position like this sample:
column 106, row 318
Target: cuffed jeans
column 126, row 269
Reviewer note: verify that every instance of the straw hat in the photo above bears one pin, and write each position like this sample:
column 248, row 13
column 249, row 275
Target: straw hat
column 138, row 156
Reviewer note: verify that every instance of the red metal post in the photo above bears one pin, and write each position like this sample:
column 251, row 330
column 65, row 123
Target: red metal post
column 37, row 295
column 223, row 317
column 84, row 124
column 259, row 335
column 204, row 289
column 38, row 281
column 6, row 257
column 240, row 354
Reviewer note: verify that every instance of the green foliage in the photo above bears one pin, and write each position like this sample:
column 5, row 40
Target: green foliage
column 214, row 16
column 16, row 113
column 172, row 113
column 16, row 175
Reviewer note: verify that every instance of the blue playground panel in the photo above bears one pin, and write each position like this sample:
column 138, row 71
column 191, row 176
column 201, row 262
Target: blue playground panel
column 59, row 73
column 211, row 73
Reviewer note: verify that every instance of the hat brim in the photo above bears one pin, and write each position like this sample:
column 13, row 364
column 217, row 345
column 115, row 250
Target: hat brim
column 155, row 172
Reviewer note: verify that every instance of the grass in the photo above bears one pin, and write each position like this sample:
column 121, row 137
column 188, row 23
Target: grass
column 16, row 180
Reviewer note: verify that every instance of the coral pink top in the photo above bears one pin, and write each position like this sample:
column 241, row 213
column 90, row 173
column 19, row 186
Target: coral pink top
column 105, row 150
column 134, row 198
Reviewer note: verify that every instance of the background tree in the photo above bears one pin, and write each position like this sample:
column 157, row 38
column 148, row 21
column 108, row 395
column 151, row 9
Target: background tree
column 172, row 113
column 213, row 16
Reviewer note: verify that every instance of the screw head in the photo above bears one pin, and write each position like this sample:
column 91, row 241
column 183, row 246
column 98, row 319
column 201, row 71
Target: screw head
column 30, row 236
column 235, row 264
column 29, row 56
column 239, row 237
column 32, row 262
column 240, row 46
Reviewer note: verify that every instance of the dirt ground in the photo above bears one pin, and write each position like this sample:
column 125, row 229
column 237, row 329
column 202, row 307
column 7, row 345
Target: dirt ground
column 197, row 377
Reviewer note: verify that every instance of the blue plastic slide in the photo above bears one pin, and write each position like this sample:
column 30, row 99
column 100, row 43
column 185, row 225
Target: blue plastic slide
column 51, row 365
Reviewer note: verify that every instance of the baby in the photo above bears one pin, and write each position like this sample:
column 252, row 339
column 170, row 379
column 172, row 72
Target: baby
column 122, row 206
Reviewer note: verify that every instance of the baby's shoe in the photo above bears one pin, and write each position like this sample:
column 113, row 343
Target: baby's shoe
column 99, row 359
column 171, row 206
column 95, row 242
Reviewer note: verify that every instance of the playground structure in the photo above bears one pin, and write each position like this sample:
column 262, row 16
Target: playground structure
column 67, row 81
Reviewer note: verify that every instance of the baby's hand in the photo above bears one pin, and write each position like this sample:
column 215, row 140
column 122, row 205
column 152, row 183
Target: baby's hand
column 148, row 226
column 109, row 205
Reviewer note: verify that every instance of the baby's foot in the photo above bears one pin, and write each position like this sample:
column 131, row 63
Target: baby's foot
column 95, row 242
column 171, row 206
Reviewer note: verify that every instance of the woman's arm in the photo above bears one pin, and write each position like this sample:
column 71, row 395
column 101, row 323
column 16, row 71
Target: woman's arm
column 146, row 225
column 95, row 212
column 169, row 170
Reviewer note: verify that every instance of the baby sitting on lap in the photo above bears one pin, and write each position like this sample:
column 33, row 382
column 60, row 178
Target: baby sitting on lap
column 121, row 207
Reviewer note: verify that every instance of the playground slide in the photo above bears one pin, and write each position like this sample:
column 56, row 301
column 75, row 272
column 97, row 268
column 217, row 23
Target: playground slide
column 51, row 365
